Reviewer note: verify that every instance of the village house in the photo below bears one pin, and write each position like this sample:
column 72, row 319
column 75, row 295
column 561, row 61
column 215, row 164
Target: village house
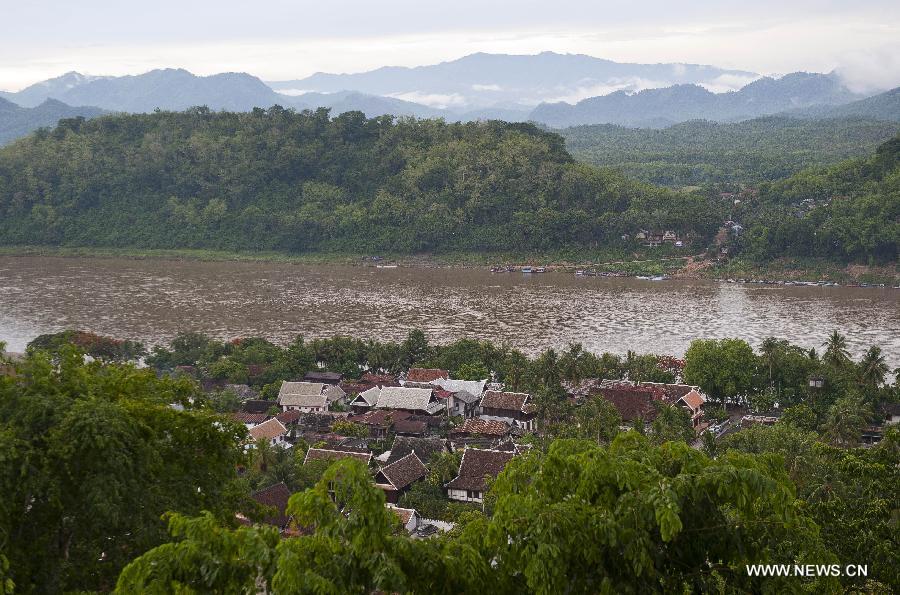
column 380, row 422
column 464, row 395
column 365, row 400
column 669, row 236
column 425, row 448
column 409, row 518
column 423, row 376
column 396, row 478
column 272, row 431
column 512, row 408
column 308, row 397
column 333, row 378
column 688, row 397
column 475, row 469
column 276, row 497
column 249, row 419
column 258, row 406
column 485, row 433
column 414, row 400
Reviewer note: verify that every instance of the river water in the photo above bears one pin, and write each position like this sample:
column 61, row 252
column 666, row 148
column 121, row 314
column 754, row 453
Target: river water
column 153, row 300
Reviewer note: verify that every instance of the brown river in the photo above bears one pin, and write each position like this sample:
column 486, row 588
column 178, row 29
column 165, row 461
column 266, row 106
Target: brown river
column 153, row 300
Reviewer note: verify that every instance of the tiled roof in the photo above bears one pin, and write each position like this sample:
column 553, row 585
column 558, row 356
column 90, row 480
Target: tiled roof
column 633, row 402
column 249, row 418
column 277, row 497
column 326, row 377
column 425, row 374
column 380, row 417
column 693, row 399
column 328, row 454
column 473, row 387
column 289, row 417
column 425, row 448
column 476, row 465
column 410, row 426
column 504, row 400
column 485, row 427
column 268, row 430
column 405, row 514
column 412, row 399
column 302, row 394
column 368, row 397
column 403, row 472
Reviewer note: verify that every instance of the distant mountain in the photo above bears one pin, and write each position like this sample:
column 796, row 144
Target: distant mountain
column 169, row 89
column 54, row 88
column 679, row 103
column 16, row 121
column 488, row 80
column 884, row 106
column 371, row 105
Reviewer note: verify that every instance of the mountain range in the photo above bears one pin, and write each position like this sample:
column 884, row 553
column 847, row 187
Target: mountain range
column 517, row 82
column 557, row 90
column 17, row 121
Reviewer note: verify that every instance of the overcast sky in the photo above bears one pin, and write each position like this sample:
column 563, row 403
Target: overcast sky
column 279, row 39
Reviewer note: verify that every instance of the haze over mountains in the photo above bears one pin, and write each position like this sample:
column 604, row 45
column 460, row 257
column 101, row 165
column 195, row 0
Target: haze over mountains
column 557, row 90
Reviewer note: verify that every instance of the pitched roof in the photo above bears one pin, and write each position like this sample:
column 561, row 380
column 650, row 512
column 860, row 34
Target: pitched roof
column 302, row 394
column 476, row 465
column 425, row 374
column 405, row 514
column 693, row 399
column 473, row 387
column 398, row 397
column 289, row 417
column 485, row 427
column 249, row 418
column 402, row 472
column 425, row 448
column 277, row 497
column 326, row 377
column 633, row 402
column 333, row 454
column 367, row 398
column 410, row 426
column 268, row 430
column 380, row 417
column 334, row 393
column 493, row 399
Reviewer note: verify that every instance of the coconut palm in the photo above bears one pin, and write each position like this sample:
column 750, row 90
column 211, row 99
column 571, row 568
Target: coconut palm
column 873, row 368
column 846, row 420
column 836, row 352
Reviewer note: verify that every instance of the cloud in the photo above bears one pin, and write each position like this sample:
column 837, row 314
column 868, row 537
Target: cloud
column 871, row 72
column 487, row 88
column 728, row 82
column 596, row 89
column 438, row 100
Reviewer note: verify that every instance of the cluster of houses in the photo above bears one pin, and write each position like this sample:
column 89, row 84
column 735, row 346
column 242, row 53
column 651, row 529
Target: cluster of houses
column 653, row 239
column 411, row 415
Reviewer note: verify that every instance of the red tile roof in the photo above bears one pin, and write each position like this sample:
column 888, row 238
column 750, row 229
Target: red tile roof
column 633, row 402
column 249, row 418
column 493, row 399
column 426, row 374
column 482, row 426
column 277, row 497
column 333, row 454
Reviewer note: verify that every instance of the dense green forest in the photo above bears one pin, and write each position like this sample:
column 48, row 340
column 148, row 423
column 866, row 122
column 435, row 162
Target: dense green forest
column 106, row 486
column 744, row 153
column 847, row 211
column 279, row 180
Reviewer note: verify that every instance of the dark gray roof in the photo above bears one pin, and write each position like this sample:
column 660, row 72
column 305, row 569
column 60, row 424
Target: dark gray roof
column 425, row 448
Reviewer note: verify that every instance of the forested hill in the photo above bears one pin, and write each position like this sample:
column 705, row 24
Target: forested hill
column 280, row 180
column 749, row 152
column 849, row 211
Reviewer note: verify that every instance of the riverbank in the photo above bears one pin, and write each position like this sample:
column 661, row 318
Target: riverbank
column 667, row 261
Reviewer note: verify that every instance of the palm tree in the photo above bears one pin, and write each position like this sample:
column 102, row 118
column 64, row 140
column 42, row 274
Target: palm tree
column 846, row 420
column 836, row 352
column 872, row 367
column 770, row 350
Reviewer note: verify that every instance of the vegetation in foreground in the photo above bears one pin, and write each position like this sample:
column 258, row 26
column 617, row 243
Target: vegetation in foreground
column 93, row 456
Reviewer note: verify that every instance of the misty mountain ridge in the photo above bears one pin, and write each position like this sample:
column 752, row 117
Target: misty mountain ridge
column 484, row 80
column 679, row 103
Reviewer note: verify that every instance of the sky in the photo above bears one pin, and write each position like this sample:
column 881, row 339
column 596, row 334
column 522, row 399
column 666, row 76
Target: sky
column 282, row 40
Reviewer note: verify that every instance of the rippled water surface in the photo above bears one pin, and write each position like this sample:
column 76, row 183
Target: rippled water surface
column 152, row 300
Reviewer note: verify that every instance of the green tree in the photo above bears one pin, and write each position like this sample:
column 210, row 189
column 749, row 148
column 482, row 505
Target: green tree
column 723, row 368
column 846, row 420
column 93, row 456
column 836, row 353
